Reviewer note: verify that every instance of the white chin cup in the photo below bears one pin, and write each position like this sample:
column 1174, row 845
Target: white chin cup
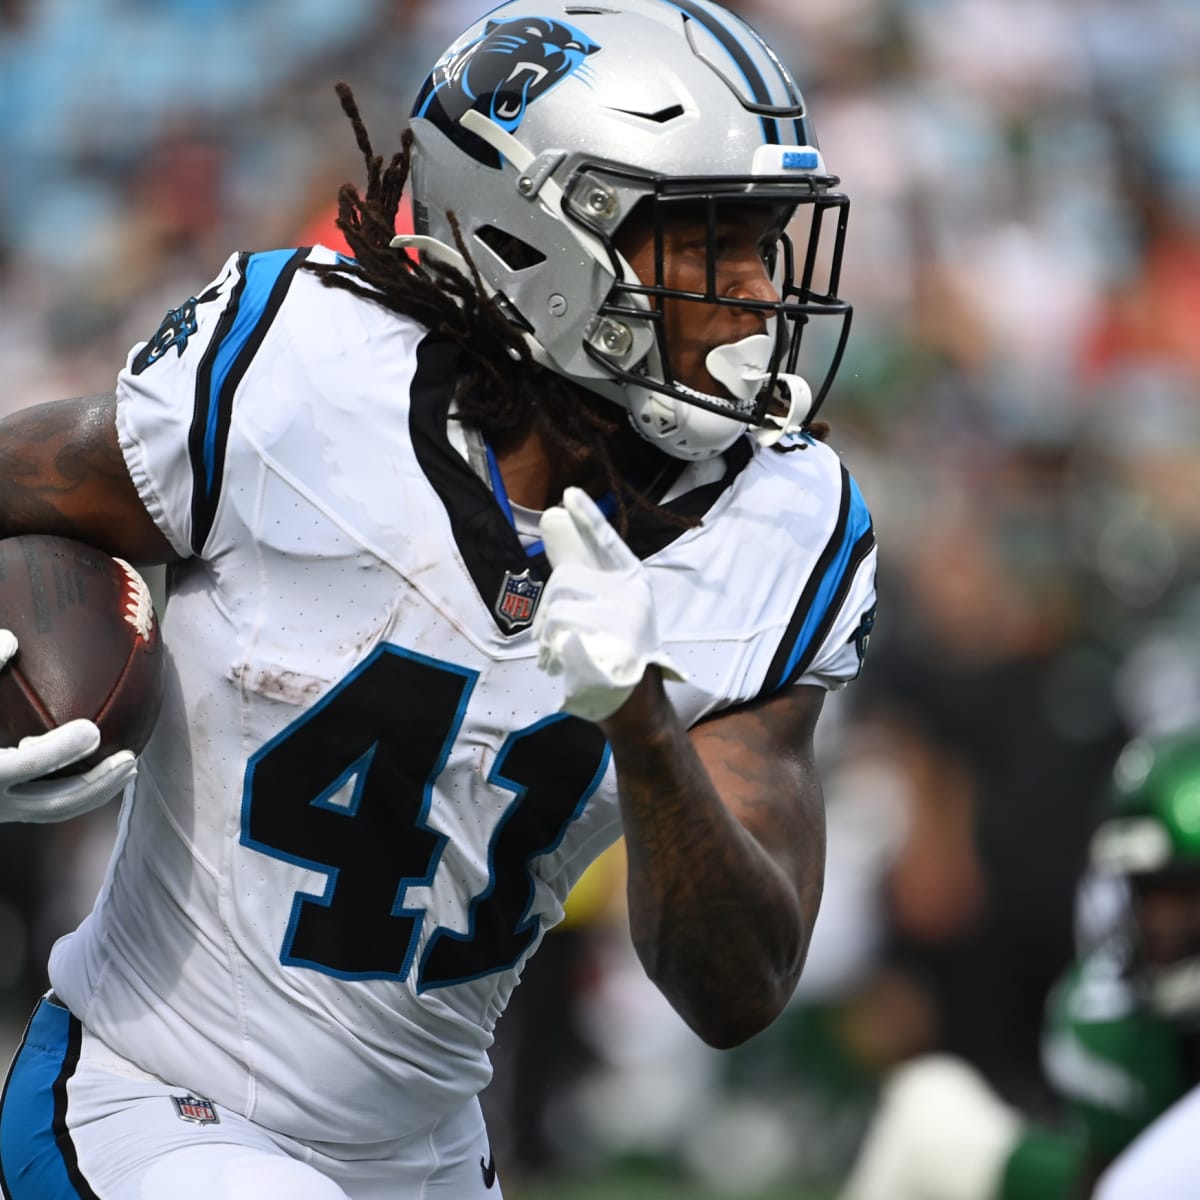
column 744, row 367
column 741, row 366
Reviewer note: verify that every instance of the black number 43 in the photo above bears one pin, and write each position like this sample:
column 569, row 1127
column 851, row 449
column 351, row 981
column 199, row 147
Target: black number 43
column 347, row 791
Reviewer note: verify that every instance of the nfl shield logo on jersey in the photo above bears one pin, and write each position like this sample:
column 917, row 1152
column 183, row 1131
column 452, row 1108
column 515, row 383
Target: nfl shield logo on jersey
column 196, row 1110
column 518, row 599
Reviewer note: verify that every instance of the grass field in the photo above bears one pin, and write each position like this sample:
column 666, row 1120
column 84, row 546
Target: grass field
column 644, row 1184
column 614, row 1188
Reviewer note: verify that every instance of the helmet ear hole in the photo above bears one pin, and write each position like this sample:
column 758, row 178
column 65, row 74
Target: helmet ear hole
column 514, row 253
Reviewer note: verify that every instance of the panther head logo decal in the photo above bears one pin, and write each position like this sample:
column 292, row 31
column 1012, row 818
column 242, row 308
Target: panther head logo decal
column 500, row 74
column 177, row 326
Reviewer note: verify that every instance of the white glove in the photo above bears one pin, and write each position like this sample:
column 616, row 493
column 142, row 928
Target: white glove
column 595, row 625
column 26, row 796
column 940, row 1133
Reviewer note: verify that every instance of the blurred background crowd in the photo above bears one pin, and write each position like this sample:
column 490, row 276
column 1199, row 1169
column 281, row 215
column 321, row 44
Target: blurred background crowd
column 1020, row 404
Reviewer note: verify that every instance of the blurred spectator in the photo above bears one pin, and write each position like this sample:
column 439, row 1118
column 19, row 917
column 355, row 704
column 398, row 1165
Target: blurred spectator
column 1001, row 681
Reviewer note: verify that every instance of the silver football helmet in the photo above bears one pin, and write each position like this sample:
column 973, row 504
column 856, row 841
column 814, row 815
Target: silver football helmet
column 547, row 123
column 1149, row 840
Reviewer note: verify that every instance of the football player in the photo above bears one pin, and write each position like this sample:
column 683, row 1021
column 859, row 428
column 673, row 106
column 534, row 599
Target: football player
column 1122, row 1038
column 487, row 545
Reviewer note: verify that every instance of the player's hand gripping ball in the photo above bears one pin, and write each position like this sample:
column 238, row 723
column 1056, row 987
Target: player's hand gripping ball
column 81, row 676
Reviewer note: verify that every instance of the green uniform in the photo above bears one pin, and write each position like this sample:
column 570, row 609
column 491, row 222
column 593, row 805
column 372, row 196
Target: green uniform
column 1117, row 1068
column 1120, row 1040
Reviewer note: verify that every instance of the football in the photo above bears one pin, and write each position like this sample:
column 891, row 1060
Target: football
column 87, row 644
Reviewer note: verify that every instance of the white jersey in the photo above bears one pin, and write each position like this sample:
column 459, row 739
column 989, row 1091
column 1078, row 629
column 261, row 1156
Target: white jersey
column 362, row 806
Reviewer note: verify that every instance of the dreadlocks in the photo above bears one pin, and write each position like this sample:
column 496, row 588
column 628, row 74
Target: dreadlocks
column 501, row 390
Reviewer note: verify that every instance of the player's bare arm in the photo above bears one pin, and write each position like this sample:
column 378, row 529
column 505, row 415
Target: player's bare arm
column 62, row 472
column 725, row 836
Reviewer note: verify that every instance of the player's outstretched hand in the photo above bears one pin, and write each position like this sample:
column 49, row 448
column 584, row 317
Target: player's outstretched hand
column 25, row 793
column 595, row 625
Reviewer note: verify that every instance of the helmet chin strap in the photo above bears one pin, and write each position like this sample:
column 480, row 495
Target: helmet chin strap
column 696, row 432
column 744, row 369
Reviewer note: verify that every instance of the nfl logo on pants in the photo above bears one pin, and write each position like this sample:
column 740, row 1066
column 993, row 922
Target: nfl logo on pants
column 196, row 1110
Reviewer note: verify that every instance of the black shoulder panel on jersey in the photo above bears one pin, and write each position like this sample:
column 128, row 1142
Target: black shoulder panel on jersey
column 850, row 542
column 263, row 281
column 488, row 544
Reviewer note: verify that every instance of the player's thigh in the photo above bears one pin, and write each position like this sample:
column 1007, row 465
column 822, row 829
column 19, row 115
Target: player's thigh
column 450, row 1161
column 466, row 1169
column 1163, row 1163
column 74, row 1128
column 228, row 1172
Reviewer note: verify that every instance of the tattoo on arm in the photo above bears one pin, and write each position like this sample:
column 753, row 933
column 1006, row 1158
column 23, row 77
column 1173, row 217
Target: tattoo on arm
column 62, row 472
column 726, row 860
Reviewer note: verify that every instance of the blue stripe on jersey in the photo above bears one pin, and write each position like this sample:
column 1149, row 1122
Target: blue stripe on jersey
column 837, row 566
column 252, row 307
column 36, row 1152
column 607, row 503
column 262, row 271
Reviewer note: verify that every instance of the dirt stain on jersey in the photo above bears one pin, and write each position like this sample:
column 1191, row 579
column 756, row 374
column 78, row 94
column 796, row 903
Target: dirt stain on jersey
column 274, row 683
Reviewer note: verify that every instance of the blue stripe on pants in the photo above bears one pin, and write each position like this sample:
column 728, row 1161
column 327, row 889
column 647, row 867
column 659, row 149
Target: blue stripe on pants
column 37, row 1158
